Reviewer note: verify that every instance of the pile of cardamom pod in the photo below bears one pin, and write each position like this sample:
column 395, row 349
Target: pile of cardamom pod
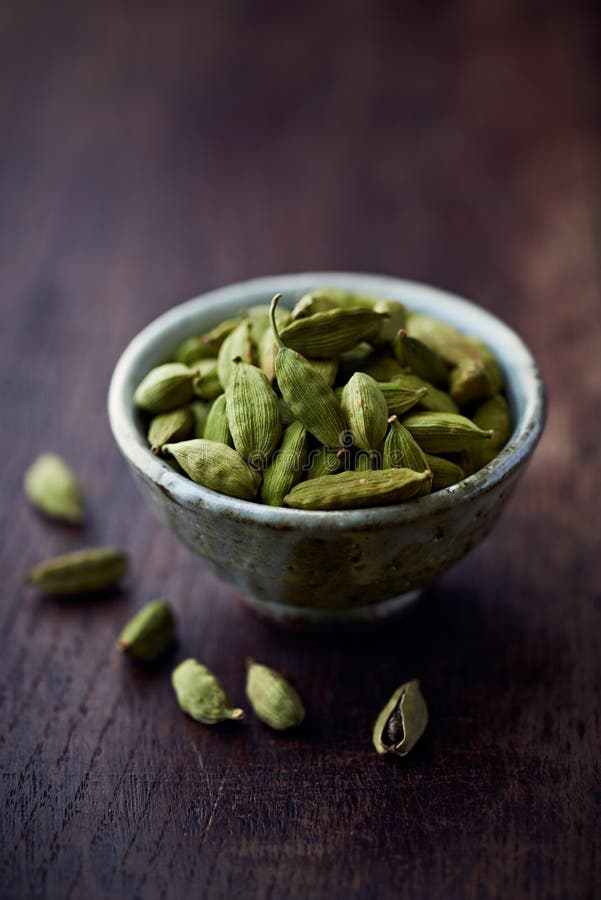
column 348, row 401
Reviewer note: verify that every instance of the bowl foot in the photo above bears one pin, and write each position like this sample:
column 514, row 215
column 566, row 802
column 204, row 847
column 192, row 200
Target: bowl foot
column 304, row 617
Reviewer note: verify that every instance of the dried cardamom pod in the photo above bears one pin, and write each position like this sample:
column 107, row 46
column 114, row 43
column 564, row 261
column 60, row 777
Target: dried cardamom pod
column 165, row 387
column 381, row 368
column 400, row 398
column 310, row 398
column 440, row 337
column 490, row 362
column 327, row 368
column 193, row 349
column 401, row 451
column 253, row 414
column 201, row 695
column 273, row 699
column 150, row 633
column 170, row 426
column 216, row 466
column 444, row 432
column 418, row 359
column 323, row 461
column 206, row 384
column 402, row 721
column 469, row 381
column 237, row 344
column 286, row 470
column 395, row 319
column 328, row 334
column 434, row 400
column 312, row 303
column 53, row 489
column 357, row 490
column 217, row 426
column 81, row 572
column 493, row 414
column 214, row 338
column 445, row 473
column 366, row 410
column 199, row 410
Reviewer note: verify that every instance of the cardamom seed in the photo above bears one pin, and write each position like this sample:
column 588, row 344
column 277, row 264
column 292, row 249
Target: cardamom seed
column 402, row 721
column 357, row 490
column 81, row 572
column 165, row 387
column 150, row 633
column 366, row 410
column 170, row 426
column 253, row 414
column 444, row 432
column 53, row 489
column 216, row 466
column 273, row 699
column 286, row 470
column 201, row 695
column 307, row 394
column 217, row 428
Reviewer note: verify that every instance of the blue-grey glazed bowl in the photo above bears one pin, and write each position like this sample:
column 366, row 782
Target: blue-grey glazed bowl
column 322, row 567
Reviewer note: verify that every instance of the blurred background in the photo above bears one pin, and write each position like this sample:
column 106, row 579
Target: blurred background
column 150, row 151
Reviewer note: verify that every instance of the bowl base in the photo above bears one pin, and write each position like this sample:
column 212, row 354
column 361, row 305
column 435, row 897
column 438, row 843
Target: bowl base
column 304, row 617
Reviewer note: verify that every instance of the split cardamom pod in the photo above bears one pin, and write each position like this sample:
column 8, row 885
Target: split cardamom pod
column 402, row 721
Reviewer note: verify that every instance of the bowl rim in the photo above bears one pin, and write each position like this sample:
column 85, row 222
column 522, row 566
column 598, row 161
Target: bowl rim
column 189, row 495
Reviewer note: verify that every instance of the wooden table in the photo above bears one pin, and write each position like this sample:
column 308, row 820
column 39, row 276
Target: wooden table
column 151, row 151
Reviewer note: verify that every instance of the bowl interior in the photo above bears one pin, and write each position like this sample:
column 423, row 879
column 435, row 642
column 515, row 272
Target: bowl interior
column 158, row 341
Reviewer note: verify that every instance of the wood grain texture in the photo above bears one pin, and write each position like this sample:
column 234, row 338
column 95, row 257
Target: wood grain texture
column 151, row 151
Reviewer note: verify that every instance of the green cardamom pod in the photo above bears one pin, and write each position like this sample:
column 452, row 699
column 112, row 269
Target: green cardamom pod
column 81, row 572
column 206, row 384
column 216, row 466
column 239, row 343
column 381, row 368
column 310, row 398
column 217, row 426
column 357, row 490
column 286, row 470
column 253, row 414
column 401, row 451
column 399, row 397
column 311, row 303
column 494, row 415
column 357, row 360
column 165, row 387
column 53, row 489
column 214, row 338
column 328, row 334
column 441, row 337
column 366, row 410
column 434, row 400
column 444, row 432
column 323, row 461
column 170, row 426
column 199, row 410
column 490, row 362
column 469, row 381
column 327, row 368
column 286, row 414
column 445, row 473
column 150, row 633
column 418, row 359
column 267, row 353
column 192, row 350
column 273, row 699
column 402, row 721
column 201, row 695
column 395, row 319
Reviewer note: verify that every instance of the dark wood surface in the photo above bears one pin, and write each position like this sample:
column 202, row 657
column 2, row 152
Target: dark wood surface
column 151, row 151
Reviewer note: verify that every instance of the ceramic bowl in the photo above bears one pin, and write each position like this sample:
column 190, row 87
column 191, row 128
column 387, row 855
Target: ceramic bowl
column 321, row 567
